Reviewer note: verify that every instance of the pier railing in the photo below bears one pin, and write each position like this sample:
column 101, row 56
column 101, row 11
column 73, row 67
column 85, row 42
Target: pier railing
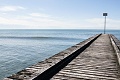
column 116, row 46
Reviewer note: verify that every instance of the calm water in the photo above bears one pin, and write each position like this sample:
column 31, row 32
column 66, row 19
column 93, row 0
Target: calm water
column 22, row 48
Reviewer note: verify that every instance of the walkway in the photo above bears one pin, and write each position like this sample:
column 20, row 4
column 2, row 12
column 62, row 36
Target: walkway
column 97, row 62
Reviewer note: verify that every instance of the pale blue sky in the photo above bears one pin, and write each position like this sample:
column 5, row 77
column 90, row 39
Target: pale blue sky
column 58, row 14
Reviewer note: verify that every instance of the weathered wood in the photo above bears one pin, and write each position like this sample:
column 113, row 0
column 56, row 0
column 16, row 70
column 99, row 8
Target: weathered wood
column 49, row 73
column 97, row 62
column 116, row 46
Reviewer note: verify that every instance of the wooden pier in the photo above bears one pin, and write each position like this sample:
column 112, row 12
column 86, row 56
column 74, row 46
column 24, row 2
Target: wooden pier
column 97, row 58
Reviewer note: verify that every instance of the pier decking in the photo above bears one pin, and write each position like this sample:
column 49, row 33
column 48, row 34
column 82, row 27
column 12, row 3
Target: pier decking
column 98, row 61
column 96, row 58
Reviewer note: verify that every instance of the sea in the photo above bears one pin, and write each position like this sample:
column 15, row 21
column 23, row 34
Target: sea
column 21, row 48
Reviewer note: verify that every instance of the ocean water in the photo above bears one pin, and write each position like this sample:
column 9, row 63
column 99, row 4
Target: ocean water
column 22, row 48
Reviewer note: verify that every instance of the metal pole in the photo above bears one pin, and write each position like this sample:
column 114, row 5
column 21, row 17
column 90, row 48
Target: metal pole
column 105, row 14
column 105, row 25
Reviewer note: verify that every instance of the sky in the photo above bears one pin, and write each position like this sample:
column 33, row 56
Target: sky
column 59, row 14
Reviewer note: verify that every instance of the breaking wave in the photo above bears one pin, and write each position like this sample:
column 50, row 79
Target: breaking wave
column 59, row 38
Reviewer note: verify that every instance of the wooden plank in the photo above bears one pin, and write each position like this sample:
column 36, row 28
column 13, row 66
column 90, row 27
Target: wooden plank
column 97, row 62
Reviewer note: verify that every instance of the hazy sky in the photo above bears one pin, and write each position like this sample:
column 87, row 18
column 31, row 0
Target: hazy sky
column 59, row 14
